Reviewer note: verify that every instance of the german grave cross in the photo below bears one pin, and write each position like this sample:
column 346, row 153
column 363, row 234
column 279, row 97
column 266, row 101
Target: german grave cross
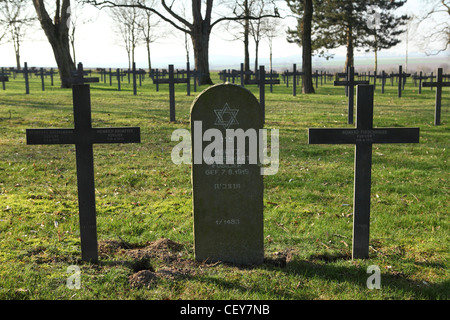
column 171, row 81
column 79, row 76
column 84, row 136
column 438, row 84
column 363, row 136
column 350, row 84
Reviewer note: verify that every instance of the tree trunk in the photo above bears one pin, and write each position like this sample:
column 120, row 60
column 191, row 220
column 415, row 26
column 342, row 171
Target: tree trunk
column 349, row 60
column 200, row 44
column 148, row 55
column 256, row 55
column 17, row 50
column 308, row 86
column 200, row 32
column 246, row 42
column 58, row 35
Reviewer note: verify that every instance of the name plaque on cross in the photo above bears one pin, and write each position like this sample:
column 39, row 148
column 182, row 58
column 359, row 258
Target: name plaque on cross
column 363, row 136
column 84, row 136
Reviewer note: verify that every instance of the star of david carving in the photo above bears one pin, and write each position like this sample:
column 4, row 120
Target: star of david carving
column 226, row 116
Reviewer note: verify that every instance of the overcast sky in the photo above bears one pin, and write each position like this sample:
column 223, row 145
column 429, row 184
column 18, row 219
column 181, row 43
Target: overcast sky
column 99, row 45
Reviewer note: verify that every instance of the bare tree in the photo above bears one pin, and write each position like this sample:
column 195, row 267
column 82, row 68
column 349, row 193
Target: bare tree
column 147, row 23
column 15, row 18
column 256, row 27
column 435, row 25
column 198, row 28
column 126, row 21
column 57, row 32
column 77, row 19
column 271, row 29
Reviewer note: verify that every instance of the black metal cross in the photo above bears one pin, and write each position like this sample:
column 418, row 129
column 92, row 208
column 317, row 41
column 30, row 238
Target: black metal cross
column 401, row 79
column 84, row 136
column 79, row 76
column 350, row 83
column 171, row 81
column 3, row 78
column 25, row 72
column 363, row 136
column 383, row 78
column 420, row 77
column 438, row 84
column 262, row 81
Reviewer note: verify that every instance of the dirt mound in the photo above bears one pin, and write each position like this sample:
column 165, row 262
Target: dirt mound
column 148, row 278
column 165, row 255
column 143, row 278
column 161, row 249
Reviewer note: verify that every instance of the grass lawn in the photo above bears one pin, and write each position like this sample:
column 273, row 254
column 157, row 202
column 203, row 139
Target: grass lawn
column 144, row 202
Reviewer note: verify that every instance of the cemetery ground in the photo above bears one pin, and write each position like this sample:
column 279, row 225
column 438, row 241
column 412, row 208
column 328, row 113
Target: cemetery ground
column 144, row 202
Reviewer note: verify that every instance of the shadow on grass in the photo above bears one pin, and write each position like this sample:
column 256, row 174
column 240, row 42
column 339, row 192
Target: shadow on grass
column 323, row 266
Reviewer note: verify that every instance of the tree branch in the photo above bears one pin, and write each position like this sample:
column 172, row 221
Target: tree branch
column 110, row 4
column 243, row 17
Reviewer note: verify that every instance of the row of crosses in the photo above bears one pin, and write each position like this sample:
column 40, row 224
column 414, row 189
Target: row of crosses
column 363, row 137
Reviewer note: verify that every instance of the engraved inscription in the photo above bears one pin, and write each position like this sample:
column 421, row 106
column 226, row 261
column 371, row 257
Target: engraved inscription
column 115, row 135
column 225, row 222
column 364, row 135
column 227, row 186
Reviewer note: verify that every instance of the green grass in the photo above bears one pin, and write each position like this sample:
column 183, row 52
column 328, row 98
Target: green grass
column 143, row 197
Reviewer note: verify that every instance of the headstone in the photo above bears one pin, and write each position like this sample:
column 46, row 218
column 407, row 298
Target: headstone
column 438, row 84
column 227, row 198
column 84, row 136
column 350, row 84
column 363, row 136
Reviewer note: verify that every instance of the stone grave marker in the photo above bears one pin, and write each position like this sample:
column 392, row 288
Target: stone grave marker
column 84, row 136
column 227, row 197
column 438, row 84
column 363, row 136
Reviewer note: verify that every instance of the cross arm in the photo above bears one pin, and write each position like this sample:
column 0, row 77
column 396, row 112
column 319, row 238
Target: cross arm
column 353, row 136
column 166, row 80
column 116, row 135
column 349, row 83
column 436, row 84
column 50, row 136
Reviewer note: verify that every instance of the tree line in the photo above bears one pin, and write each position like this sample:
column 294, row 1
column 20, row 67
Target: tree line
column 322, row 25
